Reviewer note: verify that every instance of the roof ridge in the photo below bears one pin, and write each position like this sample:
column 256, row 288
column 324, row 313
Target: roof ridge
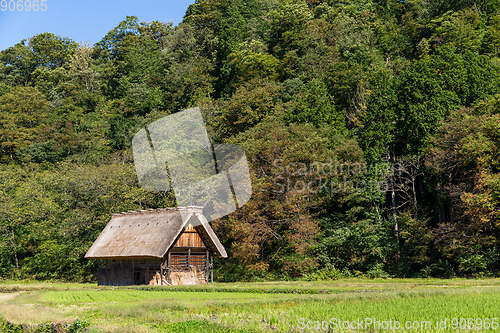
column 198, row 209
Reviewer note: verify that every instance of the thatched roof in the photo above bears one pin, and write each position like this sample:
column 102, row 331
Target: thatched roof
column 151, row 233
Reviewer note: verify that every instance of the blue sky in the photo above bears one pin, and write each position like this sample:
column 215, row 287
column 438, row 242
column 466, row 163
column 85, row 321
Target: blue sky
column 82, row 21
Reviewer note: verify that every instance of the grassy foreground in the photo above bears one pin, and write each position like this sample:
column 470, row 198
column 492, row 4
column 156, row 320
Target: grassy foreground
column 418, row 305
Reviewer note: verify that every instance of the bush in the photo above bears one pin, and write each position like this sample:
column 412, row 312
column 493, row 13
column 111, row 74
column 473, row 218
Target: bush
column 327, row 274
column 5, row 326
column 78, row 326
column 377, row 272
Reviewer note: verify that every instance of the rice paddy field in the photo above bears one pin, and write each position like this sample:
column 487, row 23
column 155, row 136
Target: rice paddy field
column 353, row 305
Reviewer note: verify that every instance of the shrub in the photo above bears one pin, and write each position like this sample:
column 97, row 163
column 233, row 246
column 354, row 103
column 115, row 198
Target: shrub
column 327, row 274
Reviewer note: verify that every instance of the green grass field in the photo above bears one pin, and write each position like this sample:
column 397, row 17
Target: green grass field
column 421, row 305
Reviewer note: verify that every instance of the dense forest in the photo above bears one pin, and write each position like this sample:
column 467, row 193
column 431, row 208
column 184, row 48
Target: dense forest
column 372, row 130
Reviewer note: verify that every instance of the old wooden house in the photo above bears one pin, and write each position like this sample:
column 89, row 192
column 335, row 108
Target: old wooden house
column 168, row 246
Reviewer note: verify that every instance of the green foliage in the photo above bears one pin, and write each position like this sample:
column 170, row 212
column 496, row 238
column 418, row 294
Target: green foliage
column 247, row 107
column 300, row 85
column 461, row 29
column 416, row 239
column 355, row 39
column 16, row 64
column 10, row 328
column 432, row 88
column 488, row 7
column 473, row 263
column 110, row 45
column 39, row 152
column 330, row 274
column 23, row 111
column 200, row 326
column 491, row 39
column 374, row 112
column 78, row 326
column 4, row 88
column 489, row 105
column 289, row 18
column 51, row 51
column 250, row 61
column 313, row 105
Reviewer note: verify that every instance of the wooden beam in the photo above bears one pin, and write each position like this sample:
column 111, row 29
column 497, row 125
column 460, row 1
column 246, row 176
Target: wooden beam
column 207, row 255
column 168, row 269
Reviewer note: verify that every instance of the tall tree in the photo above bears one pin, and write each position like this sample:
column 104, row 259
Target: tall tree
column 22, row 112
column 51, row 51
column 16, row 64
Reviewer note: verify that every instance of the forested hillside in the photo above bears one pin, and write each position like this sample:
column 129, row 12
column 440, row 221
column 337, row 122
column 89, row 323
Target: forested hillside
column 372, row 129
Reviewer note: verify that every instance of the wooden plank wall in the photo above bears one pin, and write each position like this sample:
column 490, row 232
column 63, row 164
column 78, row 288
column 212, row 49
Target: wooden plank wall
column 190, row 238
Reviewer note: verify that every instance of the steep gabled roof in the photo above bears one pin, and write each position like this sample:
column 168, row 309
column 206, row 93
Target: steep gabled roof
column 151, row 233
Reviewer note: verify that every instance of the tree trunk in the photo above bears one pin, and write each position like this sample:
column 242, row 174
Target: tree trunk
column 394, row 214
column 415, row 206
